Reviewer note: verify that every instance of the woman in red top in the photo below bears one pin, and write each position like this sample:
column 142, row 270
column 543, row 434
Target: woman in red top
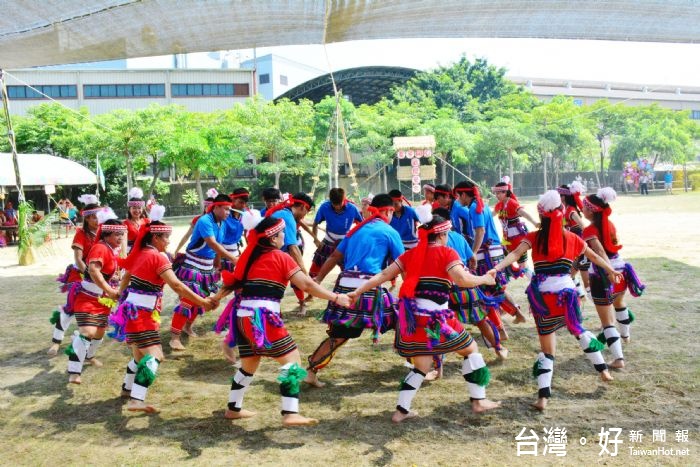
column 510, row 212
column 89, row 296
column 137, row 319
column 571, row 199
column 552, row 295
column 601, row 236
column 81, row 244
column 136, row 217
column 426, row 326
column 253, row 316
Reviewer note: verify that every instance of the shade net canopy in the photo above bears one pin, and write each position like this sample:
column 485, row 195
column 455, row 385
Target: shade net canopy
column 69, row 31
column 43, row 169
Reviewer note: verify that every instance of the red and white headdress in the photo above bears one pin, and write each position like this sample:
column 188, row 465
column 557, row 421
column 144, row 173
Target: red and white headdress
column 549, row 206
column 408, row 288
column 156, row 214
column 607, row 195
column 88, row 199
column 135, row 198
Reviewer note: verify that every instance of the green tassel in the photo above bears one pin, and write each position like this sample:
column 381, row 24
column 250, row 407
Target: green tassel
column 631, row 315
column 291, row 378
column 601, row 338
column 535, row 368
column 434, row 333
column 55, row 316
column 69, row 350
column 595, row 345
column 482, row 376
column 145, row 375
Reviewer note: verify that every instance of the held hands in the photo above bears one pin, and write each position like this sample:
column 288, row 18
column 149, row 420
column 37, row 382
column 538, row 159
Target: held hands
column 210, row 303
column 615, row 277
column 113, row 294
column 490, row 277
column 344, row 300
column 472, row 263
column 318, row 243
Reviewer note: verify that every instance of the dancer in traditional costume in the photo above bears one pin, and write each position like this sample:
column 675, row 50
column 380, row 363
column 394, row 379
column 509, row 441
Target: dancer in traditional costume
column 339, row 216
column 428, row 193
column 136, row 217
column 91, row 299
column 426, row 326
column 571, row 199
column 601, row 236
column 510, row 213
column 211, row 194
column 81, row 244
column 137, row 319
column 404, row 220
column 254, row 321
column 482, row 235
column 552, row 295
column 444, row 198
column 292, row 211
column 365, row 204
column 233, row 230
column 363, row 253
column 470, row 305
column 196, row 270
column 271, row 197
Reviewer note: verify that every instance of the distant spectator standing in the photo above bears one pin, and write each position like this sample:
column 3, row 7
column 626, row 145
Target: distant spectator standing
column 668, row 182
column 644, row 184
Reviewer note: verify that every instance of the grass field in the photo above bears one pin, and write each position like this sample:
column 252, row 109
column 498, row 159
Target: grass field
column 44, row 421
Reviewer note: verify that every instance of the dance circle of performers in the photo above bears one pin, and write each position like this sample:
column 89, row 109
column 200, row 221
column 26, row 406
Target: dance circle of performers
column 454, row 263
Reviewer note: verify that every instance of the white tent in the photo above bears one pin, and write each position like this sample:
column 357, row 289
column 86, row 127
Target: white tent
column 68, row 31
column 43, row 169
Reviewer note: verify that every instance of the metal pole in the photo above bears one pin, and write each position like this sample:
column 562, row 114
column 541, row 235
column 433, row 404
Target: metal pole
column 336, row 155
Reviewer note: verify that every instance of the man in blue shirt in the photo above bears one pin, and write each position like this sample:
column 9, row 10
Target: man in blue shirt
column 458, row 215
column 405, row 220
column 197, row 270
column 363, row 252
column 233, row 228
column 488, row 251
column 339, row 216
column 271, row 196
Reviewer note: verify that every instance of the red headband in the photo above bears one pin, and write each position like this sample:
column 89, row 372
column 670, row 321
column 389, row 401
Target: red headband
column 408, row 288
column 505, row 188
column 239, row 195
column 401, row 198
column 129, row 262
column 437, row 191
column 136, row 204
column 376, row 214
column 90, row 212
column 291, row 201
column 218, row 203
column 113, row 227
column 474, row 191
column 252, row 240
column 607, row 232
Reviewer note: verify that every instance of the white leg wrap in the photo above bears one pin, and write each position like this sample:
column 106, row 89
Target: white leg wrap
column 614, row 343
column 473, row 362
column 239, row 386
column 596, row 358
column 476, row 361
column 409, row 387
column 544, row 375
column 139, row 392
column 94, row 345
column 623, row 322
column 59, row 330
column 290, row 404
column 129, row 375
column 80, row 347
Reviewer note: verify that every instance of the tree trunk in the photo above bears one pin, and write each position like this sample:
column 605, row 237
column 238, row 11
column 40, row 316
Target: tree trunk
column 129, row 172
column 556, row 168
column 277, row 179
column 301, row 188
column 156, row 175
column 198, row 187
column 544, row 170
column 510, row 166
column 444, row 170
column 386, row 181
column 601, row 141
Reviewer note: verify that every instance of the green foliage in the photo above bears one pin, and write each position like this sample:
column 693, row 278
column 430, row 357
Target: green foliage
column 190, row 198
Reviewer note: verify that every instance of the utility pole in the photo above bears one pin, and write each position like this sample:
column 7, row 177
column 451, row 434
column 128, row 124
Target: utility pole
column 11, row 136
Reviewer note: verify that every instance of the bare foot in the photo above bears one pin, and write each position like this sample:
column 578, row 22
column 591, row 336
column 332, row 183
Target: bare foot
column 626, row 340
column 310, row 298
column 503, row 333
column 540, row 404
column 53, row 350
column 74, row 379
column 312, row 380
column 187, row 329
column 519, row 317
column 483, row 405
column 399, row 416
column 432, row 375
column 502, row 354
column 302, row 309
column 125, row 394
column 294, row 419
column 618, row 364
column 605, row 376
column 94, row 362
column 140, row 406
column 243, row 413
column 229, row 352
column 176, row 344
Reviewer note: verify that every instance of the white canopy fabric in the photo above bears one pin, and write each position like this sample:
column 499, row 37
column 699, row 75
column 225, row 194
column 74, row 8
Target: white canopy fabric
column 43, row 169
column 68, row 31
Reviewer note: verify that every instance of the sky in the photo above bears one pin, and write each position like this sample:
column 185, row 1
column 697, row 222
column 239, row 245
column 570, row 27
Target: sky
column 610, row 61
